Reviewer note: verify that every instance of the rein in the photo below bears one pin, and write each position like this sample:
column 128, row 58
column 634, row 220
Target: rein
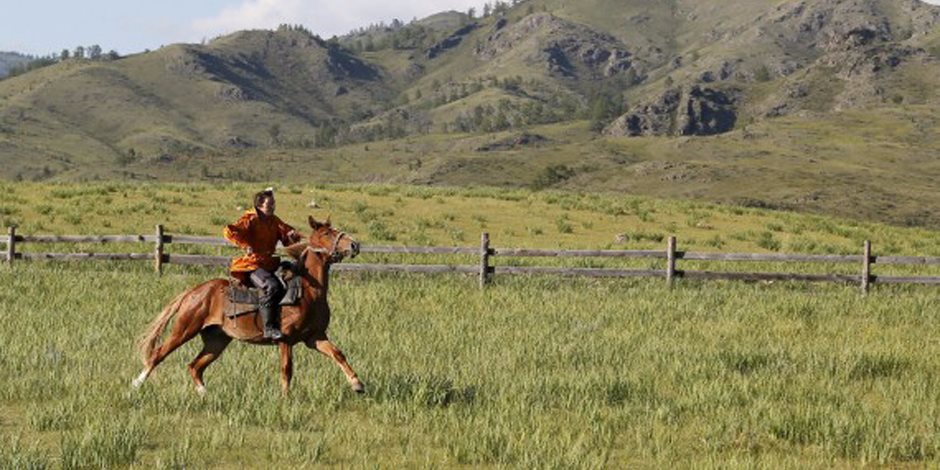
column 298, row 266
column 331, row 253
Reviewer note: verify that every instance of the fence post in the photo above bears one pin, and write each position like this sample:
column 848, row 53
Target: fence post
column 11, row 245
column 866, row 267
column 484, row 259
column 158, row 251
column 670, row 260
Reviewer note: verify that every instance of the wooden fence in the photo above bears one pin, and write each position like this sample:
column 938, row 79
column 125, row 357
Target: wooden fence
column 485, row 270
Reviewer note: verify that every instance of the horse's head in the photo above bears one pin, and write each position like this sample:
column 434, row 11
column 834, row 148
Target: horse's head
column 327, row 239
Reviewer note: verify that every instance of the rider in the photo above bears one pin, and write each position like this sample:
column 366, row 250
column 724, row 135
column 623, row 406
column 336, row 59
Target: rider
column 257, row 232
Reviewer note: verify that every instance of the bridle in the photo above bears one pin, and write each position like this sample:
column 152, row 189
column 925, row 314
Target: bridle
column 332, row 255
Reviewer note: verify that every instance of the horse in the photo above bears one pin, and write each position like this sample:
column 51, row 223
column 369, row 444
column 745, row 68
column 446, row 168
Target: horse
column 200, row 311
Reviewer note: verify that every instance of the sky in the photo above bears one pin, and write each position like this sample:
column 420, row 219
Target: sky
column 41, row 27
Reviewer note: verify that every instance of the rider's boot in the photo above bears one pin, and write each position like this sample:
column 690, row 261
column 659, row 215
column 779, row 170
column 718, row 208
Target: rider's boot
column 269, row 315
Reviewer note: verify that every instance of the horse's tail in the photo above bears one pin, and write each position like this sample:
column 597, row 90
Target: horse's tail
column 148, row 341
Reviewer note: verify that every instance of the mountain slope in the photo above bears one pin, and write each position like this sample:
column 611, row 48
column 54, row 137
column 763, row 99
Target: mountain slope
column 677, row 68
column 518, row 98
column 188, row 99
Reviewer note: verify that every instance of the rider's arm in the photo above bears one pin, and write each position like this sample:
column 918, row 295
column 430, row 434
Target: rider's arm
column 287, row 234
column 238, row 232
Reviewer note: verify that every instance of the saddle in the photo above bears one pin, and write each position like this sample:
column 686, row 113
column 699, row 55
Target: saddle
column 241, row 299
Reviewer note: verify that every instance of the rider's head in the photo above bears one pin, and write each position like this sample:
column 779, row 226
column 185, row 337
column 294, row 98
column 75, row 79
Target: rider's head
column 264, row 202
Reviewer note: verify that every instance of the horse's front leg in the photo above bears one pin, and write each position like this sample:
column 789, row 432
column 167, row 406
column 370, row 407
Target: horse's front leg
column 287, row 366
column 327, row 348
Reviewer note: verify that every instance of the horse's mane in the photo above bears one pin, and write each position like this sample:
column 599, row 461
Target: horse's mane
column 297, row 249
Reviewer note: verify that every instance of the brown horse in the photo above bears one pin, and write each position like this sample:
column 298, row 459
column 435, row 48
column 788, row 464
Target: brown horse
column 199, row 311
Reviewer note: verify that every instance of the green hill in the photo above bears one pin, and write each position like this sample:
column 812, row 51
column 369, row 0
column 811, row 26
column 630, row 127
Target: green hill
column 827, row 106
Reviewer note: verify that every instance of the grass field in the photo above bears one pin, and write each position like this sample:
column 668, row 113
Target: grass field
column 534, row 372
column 408, row 215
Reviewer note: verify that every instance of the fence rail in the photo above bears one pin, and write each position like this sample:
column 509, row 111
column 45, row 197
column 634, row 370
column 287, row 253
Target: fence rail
column 531, row 253
column 485, row 252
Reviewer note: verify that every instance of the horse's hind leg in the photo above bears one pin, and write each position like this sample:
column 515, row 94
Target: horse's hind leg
column 214, row 341
column 329, row 349
column 182, row 332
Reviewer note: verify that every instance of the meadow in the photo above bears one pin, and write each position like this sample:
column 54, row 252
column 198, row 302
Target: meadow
column 535, row 372
column 426, row 216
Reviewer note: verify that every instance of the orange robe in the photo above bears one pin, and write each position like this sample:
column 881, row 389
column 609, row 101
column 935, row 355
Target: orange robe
column 261, row 234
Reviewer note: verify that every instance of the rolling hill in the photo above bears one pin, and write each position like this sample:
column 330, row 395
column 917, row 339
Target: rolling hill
column 826, row 106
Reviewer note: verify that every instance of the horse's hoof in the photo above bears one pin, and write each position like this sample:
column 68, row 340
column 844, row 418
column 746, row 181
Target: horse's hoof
column 201, row 390
column 358, row 387
column 137, row 382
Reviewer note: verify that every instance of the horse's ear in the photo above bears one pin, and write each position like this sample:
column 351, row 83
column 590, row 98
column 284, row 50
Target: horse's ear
column 328, row 217
column 313, row 222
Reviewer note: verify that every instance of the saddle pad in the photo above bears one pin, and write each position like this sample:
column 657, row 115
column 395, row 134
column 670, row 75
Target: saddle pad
column 233, row 309
column 242, row 295
column 240, row 300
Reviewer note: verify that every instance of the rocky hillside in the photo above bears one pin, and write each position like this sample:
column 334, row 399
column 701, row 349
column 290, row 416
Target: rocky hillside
column 827, row 55
column 683, row 68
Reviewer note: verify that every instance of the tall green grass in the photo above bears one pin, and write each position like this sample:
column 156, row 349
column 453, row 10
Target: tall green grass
column 540, row 372
column 532, row 372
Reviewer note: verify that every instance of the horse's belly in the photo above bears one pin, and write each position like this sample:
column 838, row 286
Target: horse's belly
column 245, row 327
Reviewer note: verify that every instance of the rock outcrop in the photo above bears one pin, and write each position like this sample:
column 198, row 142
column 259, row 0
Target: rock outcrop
column 694, row 110
column 562, row 47
column 450, row 42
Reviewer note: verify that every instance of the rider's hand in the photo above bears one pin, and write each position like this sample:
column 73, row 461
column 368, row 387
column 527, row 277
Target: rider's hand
column 249, row 251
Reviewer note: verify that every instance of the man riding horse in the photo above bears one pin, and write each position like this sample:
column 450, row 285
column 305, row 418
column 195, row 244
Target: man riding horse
column 200, row 310
column 257, row 232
